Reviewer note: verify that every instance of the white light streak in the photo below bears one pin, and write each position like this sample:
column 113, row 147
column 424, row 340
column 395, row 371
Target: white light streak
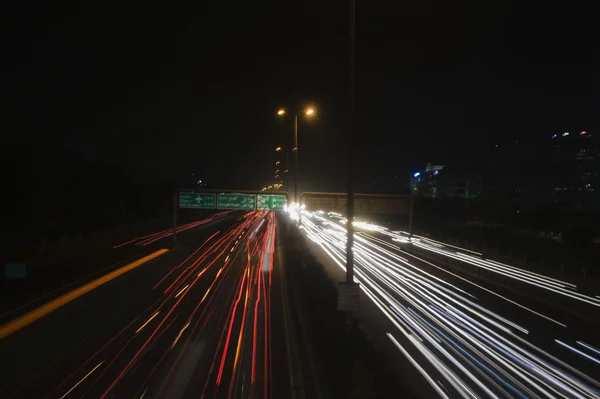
column 453, row 336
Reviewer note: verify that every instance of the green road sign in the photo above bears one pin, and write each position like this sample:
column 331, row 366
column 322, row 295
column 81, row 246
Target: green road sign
column 236, row 201
column 197, row 200
column 270, row 202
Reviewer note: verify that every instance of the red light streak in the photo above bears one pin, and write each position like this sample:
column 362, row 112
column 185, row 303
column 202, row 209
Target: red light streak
column 94, row 355
column 140, row 351
column 224, row 357
column 258, row 274
column 224, row 330
column 241, row 334
column 188, row 258
column 138, row 354
column 150, row 238
column 229, row 281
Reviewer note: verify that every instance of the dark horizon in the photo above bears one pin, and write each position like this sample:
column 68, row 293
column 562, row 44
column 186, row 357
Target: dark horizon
column 194, row 89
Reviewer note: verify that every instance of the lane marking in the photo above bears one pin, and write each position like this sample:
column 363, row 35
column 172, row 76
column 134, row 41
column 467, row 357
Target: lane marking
column 36, row 314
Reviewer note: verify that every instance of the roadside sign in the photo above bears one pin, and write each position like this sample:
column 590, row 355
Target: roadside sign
column 197, row 200
column 236, row 201
column 348, row 297
column 270, row 202
column 15, row 270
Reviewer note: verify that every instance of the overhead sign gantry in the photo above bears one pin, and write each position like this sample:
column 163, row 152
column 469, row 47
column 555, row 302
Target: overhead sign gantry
column 239, row 200
column 232, row 201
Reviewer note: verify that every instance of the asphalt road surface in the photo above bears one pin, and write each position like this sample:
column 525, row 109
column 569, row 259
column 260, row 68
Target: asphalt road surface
column 465, row 338
column 193, row 322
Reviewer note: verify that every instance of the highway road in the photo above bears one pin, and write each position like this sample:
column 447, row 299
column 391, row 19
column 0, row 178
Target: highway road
column 58, row 273
column 194, row 321
column 465, row 338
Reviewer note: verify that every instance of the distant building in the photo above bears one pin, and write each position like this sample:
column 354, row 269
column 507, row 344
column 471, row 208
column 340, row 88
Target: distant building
column 574, row 163
column 508, row 176
column 437, row 181
column 561, row 171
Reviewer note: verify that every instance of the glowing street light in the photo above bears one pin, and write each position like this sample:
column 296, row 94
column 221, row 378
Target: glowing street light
column 308, row 112
column 278, row 149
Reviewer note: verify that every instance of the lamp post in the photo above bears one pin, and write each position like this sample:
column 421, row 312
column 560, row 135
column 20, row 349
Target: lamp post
column 412, row 182
column 286, row 175
column 278, row 180
column 350, row 126
column 309, row 112
column 295, row 149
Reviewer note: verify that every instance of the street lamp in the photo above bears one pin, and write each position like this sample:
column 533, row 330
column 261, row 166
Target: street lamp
column 309, row 112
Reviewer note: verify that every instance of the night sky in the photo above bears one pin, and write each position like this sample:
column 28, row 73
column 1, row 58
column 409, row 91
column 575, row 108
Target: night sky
column 161, row 92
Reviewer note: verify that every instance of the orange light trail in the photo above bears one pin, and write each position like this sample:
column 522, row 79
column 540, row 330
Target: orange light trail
column 183, row 289
column 28, row 318
column 80, row 381
column 146, row 323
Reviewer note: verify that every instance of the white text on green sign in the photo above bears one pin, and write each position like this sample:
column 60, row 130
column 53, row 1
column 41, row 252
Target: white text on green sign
column 236, row 201
column 197, row 200
column 270, row 202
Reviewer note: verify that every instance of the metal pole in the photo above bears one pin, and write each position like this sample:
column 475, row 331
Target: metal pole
column 350, row 127
column 296, row 157
column 287, row 174
column 175, row 217
column 410, row 221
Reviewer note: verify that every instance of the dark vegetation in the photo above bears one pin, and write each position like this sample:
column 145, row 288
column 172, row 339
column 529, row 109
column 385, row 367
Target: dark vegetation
column 48, row 195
